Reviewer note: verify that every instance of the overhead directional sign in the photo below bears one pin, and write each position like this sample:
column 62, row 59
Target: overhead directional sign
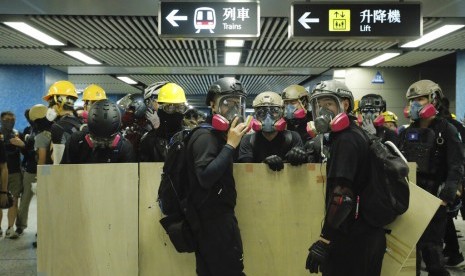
column 317, row 20
column 203, row 19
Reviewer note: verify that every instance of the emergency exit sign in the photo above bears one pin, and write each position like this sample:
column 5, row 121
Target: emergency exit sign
column 318, row 20
column 204, row 19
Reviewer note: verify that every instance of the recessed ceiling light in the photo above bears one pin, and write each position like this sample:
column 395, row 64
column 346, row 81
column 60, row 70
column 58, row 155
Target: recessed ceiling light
column 127, row 80
column 442, row 31
column 380, row 59
column 232, row 58
column 234, row 43
column 82, row 57
column 34, row 33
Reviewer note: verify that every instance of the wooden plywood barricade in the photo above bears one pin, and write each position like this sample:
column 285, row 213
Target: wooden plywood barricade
column 280, row 215
column 157, row 255
column 87, row 220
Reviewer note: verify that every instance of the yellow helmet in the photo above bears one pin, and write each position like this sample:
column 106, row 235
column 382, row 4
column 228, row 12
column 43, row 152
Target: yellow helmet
column 171, row 93
column 389, row 117
column 61, row 88
column 94, row 92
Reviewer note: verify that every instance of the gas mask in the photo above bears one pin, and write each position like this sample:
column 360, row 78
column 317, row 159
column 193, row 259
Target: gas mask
column 228, row 108
column 414, row 111
column 370, row 114
column 418, row 111
column 268, row 119
column 51, row 114
column 291, row 112
column 322, row 122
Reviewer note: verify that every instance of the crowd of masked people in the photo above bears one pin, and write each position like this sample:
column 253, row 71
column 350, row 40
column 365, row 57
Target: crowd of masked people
column 292, row 126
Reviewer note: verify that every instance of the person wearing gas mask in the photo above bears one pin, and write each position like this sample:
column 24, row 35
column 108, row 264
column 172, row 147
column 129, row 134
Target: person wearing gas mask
column 134, row 121
column 13, row 147
column 435, row 145
column 371, row 106
column 271, row 143
column 166, row 103
column 61, row 97
column 102, row 143
column 296, row 105
column 213, row 193
column 347, row 244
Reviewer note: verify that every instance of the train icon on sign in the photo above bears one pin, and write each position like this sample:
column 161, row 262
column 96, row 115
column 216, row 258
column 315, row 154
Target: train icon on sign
column 204, row 19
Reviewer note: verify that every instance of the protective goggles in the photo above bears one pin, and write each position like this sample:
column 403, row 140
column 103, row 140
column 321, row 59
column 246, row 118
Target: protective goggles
column 173, row 108
column 371, row 102
column 231, row 106
column 275, row 112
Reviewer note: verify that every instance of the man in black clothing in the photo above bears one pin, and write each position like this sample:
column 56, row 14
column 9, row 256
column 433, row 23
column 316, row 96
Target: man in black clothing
column 452, row 249
column 61, row 97
column 212, row 187
column 271, row 143
column 102, row 144
column 29, row 165
column 436, row 147
column 347, row 244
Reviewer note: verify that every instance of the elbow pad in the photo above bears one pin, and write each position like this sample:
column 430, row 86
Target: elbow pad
column 339, row 208
column 58, row 150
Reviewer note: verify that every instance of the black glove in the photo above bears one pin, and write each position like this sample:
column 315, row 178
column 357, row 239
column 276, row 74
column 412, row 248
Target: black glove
column 274, row 162
column 296, row 156
column 317, row 255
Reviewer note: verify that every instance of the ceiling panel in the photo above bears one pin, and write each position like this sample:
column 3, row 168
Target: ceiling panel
column 129, row 45
column 109, row 83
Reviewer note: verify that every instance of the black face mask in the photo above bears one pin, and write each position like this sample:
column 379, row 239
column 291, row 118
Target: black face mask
column 169, row 123
column 8, row 125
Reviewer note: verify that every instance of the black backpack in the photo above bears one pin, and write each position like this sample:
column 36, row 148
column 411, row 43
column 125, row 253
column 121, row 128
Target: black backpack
column 180, row 219
column 387, row 194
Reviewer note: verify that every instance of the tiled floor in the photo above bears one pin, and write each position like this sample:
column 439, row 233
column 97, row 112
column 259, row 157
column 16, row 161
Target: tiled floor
column 18, row 257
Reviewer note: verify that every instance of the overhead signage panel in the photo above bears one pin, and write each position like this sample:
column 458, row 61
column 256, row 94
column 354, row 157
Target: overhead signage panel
column 205, row 20
column 355, row 20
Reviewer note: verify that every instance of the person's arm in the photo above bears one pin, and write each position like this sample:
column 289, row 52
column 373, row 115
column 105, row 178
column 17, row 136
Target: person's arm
column 208, row 174
column 41, row 156
column 246, row 149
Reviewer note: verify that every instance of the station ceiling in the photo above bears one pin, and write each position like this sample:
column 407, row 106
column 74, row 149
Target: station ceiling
column 123, row 36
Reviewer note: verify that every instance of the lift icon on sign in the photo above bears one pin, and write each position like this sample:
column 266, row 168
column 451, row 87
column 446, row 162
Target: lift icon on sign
column 339, row 20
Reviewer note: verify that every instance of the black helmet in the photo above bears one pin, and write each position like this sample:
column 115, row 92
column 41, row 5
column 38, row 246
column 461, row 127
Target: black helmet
column 104, row 119
column 225, row 86
column 333, row 87
column 372, row 101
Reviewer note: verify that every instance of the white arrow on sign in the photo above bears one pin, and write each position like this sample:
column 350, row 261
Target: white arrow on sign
column 304, row 20
column 172, row 18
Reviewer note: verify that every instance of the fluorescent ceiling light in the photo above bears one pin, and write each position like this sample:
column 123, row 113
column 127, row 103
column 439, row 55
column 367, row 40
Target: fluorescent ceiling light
column 232, row 58
column 127, row 80
column 234, row 43
column 339, row 74
column 442, row 31
column 82, row 57
column 379, row 59
column 34, row 33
